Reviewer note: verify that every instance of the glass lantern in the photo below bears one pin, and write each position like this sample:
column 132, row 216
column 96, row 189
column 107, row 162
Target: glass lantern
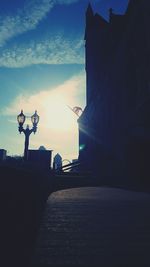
column 35, row 118
column 21, row 118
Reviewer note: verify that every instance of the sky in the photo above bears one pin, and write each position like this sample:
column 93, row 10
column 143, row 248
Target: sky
column 42, row 67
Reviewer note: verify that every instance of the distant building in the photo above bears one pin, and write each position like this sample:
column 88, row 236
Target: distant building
column 40, row 158
column 3, row 154
column 42, row 148
column 57, row 163
column 114, row 128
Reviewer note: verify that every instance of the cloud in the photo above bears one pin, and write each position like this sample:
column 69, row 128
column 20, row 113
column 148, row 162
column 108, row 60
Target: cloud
column 66, row 2
column 57, row 129
column 56, row 50
column 68, row 93
column 27, row 19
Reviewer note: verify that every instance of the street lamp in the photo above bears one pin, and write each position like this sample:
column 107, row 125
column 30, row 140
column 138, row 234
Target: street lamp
column 21, row 119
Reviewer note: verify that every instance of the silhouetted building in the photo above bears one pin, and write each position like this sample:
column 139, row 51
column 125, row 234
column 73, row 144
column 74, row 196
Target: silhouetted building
column 40, row 158
column 57, row 163
column 42, row 148
column 3, row 154
column 114, row 128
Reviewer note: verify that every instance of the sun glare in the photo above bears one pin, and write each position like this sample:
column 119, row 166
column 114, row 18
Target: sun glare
column 57, row 114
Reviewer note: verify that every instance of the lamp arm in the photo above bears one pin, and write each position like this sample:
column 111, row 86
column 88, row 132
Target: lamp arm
column 31, row 131
column 24, row 131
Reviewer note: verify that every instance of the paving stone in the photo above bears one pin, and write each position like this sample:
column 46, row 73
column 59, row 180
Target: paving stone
column 94, row 226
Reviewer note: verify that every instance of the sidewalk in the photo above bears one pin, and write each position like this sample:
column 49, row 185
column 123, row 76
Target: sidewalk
column 94, row 227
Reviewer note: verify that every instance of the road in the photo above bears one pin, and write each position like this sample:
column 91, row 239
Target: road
column 94, row 226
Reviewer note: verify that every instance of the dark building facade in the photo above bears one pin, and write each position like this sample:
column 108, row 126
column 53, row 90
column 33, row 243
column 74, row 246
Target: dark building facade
column 114, row 129
column 57, row 162
column 40, row 158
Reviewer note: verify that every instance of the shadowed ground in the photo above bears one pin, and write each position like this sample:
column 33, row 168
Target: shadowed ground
column 23, row 194
column 94, row 227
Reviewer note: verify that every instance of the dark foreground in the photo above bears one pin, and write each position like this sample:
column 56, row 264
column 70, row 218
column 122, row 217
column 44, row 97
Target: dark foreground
column 94, row 226
column 90, row 226
column 23, row 194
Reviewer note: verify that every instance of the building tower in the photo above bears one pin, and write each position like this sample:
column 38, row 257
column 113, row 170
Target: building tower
column 114, row 127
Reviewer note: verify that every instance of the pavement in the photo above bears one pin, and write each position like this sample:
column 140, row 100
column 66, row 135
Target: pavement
column 94, row 226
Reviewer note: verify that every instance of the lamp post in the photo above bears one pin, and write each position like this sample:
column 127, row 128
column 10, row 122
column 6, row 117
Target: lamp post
column 21, row 119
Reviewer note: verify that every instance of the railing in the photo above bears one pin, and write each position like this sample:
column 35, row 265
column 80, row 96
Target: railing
column 69, row 166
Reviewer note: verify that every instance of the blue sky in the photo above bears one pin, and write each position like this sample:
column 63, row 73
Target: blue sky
column 42, row 67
